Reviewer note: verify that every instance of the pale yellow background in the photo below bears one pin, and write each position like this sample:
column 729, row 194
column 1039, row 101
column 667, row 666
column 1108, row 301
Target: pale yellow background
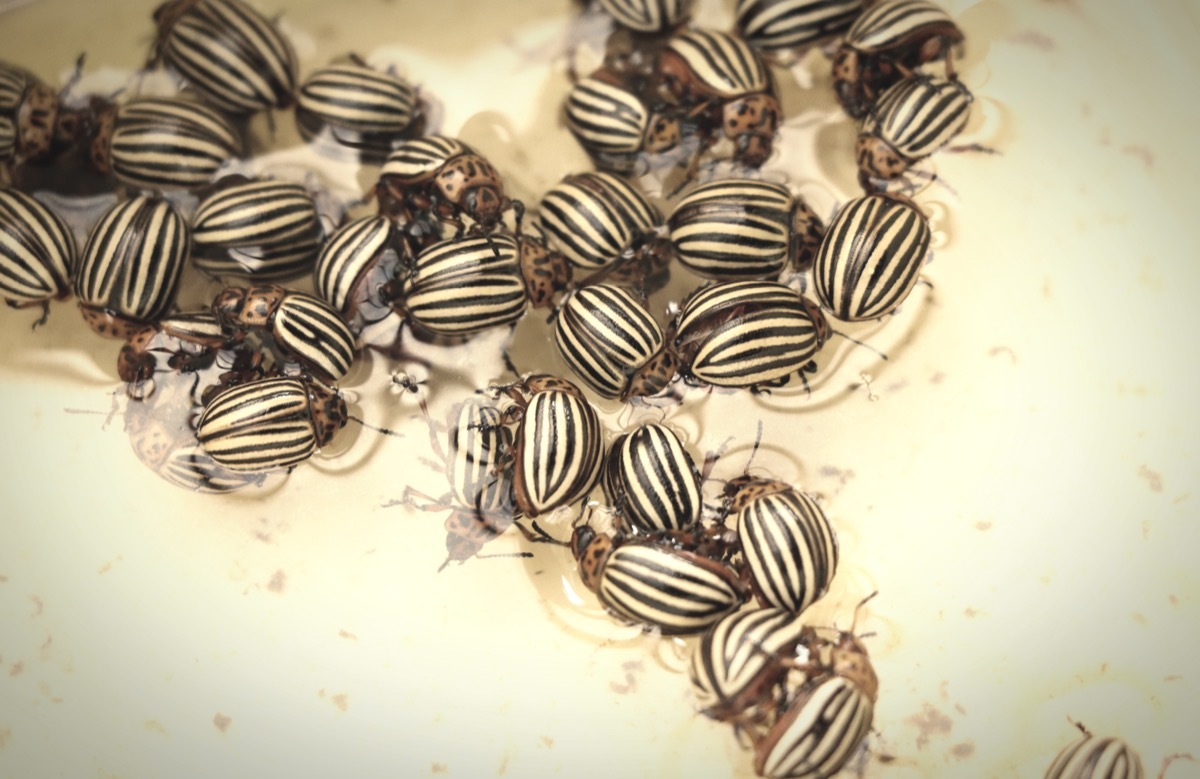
column 1019, row 480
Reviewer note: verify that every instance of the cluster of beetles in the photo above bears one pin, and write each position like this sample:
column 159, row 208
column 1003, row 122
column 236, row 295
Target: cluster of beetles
column 444, row 254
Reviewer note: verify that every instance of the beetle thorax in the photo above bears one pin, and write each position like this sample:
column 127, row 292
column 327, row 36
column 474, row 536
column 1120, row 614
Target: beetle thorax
column 849, row 660
column 751, row 122
column 662, row 134
column 877, row 158
column 742, row 491
column 471, row 182
column 655, row 375
column 328, row 413
column 100, row 146
column 252, row 307
column 545, row 273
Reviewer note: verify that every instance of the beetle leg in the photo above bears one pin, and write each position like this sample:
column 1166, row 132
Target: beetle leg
column 410, row 496
column 535, row 534
column 45, row 315
column 518, row 209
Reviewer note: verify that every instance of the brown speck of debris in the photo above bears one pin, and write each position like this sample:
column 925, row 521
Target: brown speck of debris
column 341, row 700
column 1173, row 600
column 937, row 378
column 547, row 742
column 996, row 351
column 970, row 613
column 16, row 668
column 346, row 634
column 928, row 723
column 983, row 524
column 3, row 578
column 38, row 606
column 1033, row 39
column 1142, row 153
column 1138, row 617
column 5, row 735
column 222, row 722
column 438, row 768
column 962, row 751
column 1152, row 478
column 154, row 726
column 630, row 684
column 278, row 581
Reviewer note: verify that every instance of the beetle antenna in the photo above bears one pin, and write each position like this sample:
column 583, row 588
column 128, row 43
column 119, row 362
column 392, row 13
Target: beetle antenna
column 757, row 443
column 1171, row 759
column 857, row 610
column 376, row 428
column 510, row 366
column 857, row 342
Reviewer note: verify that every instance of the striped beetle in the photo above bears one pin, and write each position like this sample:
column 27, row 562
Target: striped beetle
column 462, row 286
column 130, row 267
column 648, row 16
column 258, row 228
column 739, row 229
column 911, row 120
column 228, row 52
column 37, row 253
column 789, row 547
column 270, row 423
column 481, row 501
column 789, row 26
column 613, row 125
column 1093, row 757
column 871, row 256
column 159, row 143
column 613, row 343
column 594, row 218
column 740, row 662
column 557, row 451
column 357, row 269
column 719, row 80
column 888, row 42
column 826, row 719
column 750, row 334
column 446, row 177
column 300, row 326
column 656, row 583
column 162, row 437
column 359, row 107
column 651, row 481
